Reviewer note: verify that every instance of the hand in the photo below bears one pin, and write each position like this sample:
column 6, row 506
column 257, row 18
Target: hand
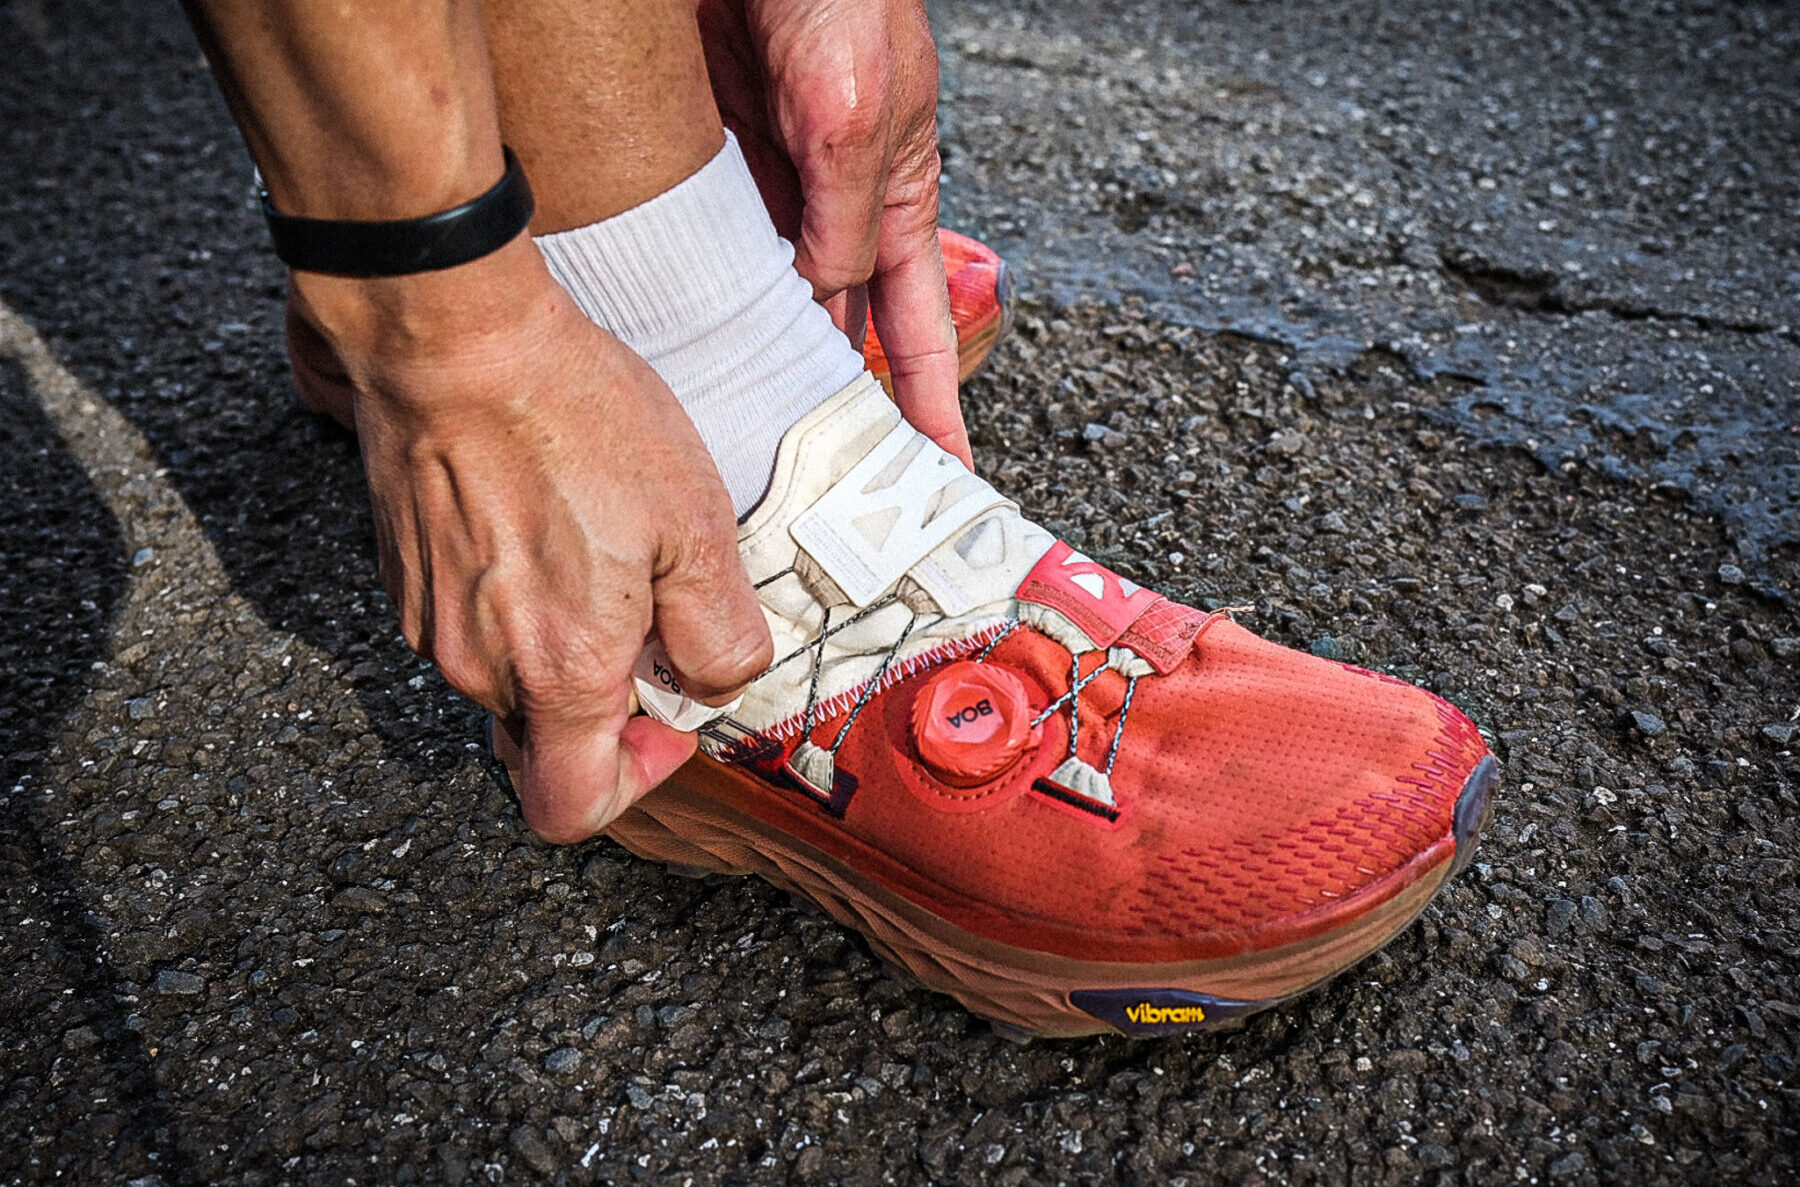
column 541, row 504
column 319, row 378
column 835, row 104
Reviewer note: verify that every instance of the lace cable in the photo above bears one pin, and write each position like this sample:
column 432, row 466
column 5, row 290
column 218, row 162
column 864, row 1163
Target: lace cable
column 812, row 692
column 1077, row 682
column 1075, row 687
column 1005, row 630
column 1074, row 705
column 826, row 630
column 1112, row 752
column 868, row 692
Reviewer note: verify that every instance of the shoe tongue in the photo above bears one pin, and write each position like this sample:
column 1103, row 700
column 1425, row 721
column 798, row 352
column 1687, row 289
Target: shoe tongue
column 820, row 449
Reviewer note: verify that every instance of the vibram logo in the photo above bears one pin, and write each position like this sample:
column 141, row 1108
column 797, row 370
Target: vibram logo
column 1145, row 1014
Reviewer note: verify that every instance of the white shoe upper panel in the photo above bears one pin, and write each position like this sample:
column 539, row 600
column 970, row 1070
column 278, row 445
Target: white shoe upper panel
column 950, row 554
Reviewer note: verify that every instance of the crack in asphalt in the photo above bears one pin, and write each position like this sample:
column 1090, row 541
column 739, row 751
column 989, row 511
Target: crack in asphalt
column 1531, row 290
column 1546, row 225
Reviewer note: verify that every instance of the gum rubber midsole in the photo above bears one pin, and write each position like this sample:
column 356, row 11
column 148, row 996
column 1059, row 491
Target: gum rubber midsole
column 973, row 350
column 681, row 823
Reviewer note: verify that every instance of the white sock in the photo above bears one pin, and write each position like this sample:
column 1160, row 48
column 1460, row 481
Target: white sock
column 697, row 282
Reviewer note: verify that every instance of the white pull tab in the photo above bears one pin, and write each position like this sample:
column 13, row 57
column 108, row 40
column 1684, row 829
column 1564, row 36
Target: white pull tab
column 660, row 695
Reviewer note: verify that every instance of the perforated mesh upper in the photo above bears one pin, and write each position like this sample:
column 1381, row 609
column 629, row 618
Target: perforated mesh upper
column 1260, row 790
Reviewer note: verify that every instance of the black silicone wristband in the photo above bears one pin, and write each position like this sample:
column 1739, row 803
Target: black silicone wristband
column 401, row 247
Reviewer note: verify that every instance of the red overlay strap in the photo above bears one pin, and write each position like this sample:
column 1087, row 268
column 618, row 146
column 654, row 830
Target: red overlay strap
column 1090, row 595
column 1165, row 633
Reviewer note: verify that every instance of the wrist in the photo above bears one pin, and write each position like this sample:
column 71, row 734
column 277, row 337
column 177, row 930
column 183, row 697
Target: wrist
column 378, row 182
column 430, row 319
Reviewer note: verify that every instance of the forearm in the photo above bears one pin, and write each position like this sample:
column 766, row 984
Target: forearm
column 374, row 110
column 358, row 109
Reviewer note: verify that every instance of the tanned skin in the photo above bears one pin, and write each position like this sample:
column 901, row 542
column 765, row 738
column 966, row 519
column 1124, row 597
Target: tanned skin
column 542, row 504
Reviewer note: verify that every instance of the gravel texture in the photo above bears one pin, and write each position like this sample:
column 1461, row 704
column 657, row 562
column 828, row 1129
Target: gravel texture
column 268, row 915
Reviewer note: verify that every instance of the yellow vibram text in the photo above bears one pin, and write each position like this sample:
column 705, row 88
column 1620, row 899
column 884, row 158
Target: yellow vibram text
column 1146, row 1014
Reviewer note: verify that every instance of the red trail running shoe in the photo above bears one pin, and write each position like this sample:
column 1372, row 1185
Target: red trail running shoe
column 1068, row 802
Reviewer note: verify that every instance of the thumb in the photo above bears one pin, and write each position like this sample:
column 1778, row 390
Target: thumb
column 574, row 776
column 709, row 618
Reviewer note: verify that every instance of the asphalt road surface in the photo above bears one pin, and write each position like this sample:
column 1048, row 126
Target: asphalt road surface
column 1460, row 339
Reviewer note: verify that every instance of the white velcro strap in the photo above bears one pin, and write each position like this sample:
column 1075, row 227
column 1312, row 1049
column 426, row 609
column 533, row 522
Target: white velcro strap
column 898, row 503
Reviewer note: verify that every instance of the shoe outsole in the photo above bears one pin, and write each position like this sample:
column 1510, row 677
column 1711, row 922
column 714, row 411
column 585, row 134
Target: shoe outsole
column 691, row 823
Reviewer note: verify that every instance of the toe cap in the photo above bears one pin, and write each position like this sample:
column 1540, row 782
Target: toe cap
column 1272, row 784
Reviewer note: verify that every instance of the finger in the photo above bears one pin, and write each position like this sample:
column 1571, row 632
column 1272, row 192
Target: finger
column 776, row 179
column 909, row 301
column 856, row 314
column 577, row 773
column 837, row 305
column 838, row 228
column 707, row 615
column 850, row 313
column 662, row 695
column 505, row 743
column 319, row 377
column 841, row 139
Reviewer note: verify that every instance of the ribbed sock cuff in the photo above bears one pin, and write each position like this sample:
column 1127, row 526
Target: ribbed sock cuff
column 697, row 282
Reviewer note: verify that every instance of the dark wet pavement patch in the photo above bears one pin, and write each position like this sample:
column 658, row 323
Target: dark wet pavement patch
column 1586, row 216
